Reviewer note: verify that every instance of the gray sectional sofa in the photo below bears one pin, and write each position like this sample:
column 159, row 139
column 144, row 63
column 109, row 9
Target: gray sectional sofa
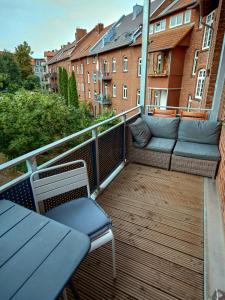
column 189, row 146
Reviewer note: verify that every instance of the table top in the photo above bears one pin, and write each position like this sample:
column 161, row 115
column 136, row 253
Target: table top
column 37, row 255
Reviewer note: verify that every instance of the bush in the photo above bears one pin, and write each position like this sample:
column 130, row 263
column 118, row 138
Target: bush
column 29, row 120
column 32, row 82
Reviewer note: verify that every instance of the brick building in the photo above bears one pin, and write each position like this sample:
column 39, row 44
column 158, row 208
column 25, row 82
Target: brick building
column 107, row 61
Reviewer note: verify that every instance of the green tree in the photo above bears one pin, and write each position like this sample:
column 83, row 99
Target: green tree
column 10, row 75
column 23, row 56
column 65, row 85
column 72, row 91
column 60, row 75
column 32, row 82
column 29, row 120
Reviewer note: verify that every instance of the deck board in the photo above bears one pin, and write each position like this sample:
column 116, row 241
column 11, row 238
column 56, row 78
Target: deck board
column 158, row 225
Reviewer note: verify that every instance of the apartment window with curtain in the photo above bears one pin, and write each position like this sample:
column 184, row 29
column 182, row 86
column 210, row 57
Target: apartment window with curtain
column 88, row 78
column 125, row 64
column 114, row 65
column 73, row 67
column 106, row 89
column 208, row 31
column 160, row 26
column 77, row 69
column 187, row 16
column 176, row 20
column 139, row 67
column 114, row 90
column 94, row 59
column 125, row 91
column 138, row 97
column 195, row 62
column 200, row 84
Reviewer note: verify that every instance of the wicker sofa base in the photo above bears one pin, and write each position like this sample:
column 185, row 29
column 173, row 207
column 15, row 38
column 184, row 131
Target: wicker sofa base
column 148, row 157
column 194, row 166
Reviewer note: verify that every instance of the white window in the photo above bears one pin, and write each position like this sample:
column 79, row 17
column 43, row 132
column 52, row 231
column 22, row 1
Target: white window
column 125, row 63
column 159, row 63
column 87, row 60
column 81, row 69
column 114, row 65
column 139, row 67
column 89, row 94
column 195, row 63
column 94, row 77
column 138, row 97
column 208, row 31
column 124, row 91
column 200, row 84
column 114, row 90
column 160, row 26
column 73, row 67
column 200, row 22
column 82, row 87
column 106, row 89
column 187, row 16
column 176, row 20
column 77, row 69
column 94, row 59
column 151, row 29
column 88, row 78
column 105, row 66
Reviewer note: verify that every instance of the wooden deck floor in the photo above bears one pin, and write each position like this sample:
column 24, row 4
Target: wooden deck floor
column 158, row 225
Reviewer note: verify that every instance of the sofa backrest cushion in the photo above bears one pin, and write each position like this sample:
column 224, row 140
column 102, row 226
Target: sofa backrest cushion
column 163, row 127
column 140, row 132
column 197, row 131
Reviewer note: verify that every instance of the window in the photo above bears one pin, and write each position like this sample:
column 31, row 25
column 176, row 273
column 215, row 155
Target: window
column 82, row 87
column 88, row 78
column 151, row 29
column 176, row 20
column 200, row 84
column 94, row 59
column 208, row 31
column 138, row 97
column 68, row 68
column 114, row 90
column 160, row 26
column 87, row 60
column 78, row 86
column 77, row 69
column 114, row 64
column 89, row 94
column 200, row 22
column 95, row 95
column 195, row 63
column 81, row 69
column 157, row 96
column 125, row 63
column 106, row 89
column 159, row 63
column 124, row 91
column 187, row 16
column 94, row 77
column 73, row 68
column 139, row 67
column 105, row 66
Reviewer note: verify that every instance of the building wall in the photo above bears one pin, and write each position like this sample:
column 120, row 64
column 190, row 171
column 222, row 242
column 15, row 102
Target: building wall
column 221, row 172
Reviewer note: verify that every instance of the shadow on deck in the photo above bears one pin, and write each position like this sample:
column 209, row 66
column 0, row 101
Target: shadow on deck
column 158, row 225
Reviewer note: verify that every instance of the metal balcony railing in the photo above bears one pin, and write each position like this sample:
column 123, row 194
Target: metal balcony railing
column 106, row 76
column 104, row 99
column 104, row 153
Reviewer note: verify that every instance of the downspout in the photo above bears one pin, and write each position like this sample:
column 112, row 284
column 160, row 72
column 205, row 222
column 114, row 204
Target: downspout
column 144, row 51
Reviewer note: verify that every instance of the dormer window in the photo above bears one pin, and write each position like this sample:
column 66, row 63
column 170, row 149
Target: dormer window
column 176, row 20
column 160, row 26
column 187, row 16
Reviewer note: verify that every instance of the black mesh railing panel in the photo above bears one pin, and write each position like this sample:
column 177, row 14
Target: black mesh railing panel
column 111, row 151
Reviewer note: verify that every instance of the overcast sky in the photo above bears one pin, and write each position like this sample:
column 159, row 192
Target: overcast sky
column 47, row 24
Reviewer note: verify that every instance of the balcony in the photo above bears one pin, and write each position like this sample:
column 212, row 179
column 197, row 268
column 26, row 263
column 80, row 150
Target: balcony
column 53, row 76
column 104, row 99
column 158, row 218
column 106, row 76
column 158, row 74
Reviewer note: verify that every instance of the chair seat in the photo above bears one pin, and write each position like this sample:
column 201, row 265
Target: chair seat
column 161, row 145
column 198, row 151
column 83, row 214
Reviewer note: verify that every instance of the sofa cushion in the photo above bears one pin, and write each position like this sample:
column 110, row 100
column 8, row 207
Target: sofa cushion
column 163, row 127
column 196, row 131
column 196, row 150
column 161, row 145
column 140, row 132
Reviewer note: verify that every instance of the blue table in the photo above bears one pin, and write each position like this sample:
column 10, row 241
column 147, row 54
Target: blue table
column 37, row 255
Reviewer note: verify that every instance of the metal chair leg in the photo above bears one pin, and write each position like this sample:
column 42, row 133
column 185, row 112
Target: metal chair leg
column 114, row 258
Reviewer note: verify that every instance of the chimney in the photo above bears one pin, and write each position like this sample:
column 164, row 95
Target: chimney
column 80, row 33
column 99, row 27
column 137, row 9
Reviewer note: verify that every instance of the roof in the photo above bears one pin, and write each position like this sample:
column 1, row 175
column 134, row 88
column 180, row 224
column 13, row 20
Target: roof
column 82, row 49
column 175, row 6
column 122, row 32
column 168, row 39
column 63, row 53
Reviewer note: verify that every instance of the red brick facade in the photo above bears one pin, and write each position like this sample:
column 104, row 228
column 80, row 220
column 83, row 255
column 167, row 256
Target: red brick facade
column 221, row 172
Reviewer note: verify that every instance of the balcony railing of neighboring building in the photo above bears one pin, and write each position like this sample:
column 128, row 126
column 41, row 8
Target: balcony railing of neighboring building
column 106, row 76
column 105, row 99
column 53, row 75
column 104, row 152
column 158, row 64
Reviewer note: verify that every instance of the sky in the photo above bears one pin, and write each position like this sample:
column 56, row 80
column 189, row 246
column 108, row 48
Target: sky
column 48, row 24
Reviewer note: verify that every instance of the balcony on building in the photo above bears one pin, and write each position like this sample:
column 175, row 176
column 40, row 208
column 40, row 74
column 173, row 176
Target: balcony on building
column 106, row 76
column 158, row 64
column 53, row 76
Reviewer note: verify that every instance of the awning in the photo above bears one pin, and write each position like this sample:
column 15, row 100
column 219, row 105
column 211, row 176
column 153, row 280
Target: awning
column 169, row 39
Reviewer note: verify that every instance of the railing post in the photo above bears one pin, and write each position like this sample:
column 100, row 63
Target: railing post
column 31, row 164
column 95, row 136
column 124, row 120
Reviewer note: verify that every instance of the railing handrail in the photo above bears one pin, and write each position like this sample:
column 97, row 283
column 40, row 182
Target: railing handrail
column 178, row 107
column 41, row 150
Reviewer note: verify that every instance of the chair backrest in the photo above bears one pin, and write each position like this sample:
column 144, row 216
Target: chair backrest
column 194, row 115
column 59, row 183
column 164, row 113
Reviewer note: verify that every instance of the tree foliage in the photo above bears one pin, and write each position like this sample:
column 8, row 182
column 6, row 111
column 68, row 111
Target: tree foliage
column 10, row 75
column 64, row 88
column 23, row 56
column 29, row 120
column 32, row 82
column 72, row 91
column 60, row 76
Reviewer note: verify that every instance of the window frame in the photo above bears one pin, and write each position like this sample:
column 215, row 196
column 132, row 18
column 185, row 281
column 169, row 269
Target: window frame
column 200, row 84
column 89, row 94
column 81, row 69
column 113, row 65
column 88, row 77
column 195, row 62
column 185, row 14
column 176, row 16
column 151, row 29
column 208, row 32
column 138, row 97
column 114, row 90
column 139, row 67
column 161, row 29
column 125, row 92
column 125, row 63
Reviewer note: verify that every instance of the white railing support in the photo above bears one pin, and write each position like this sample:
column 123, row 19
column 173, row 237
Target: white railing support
column 95, row 136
